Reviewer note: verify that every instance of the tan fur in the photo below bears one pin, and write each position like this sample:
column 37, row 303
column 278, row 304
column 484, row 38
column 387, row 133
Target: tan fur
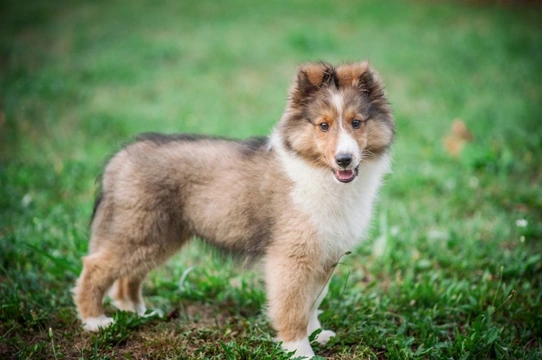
column 127, row 293
column 242, row 197
column 350, row 74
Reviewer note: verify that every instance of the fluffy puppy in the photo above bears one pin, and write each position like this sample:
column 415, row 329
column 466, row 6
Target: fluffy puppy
column 297, row 200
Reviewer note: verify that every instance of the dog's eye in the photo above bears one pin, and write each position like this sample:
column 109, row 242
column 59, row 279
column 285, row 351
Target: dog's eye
column 356, row 123
column 324, row 126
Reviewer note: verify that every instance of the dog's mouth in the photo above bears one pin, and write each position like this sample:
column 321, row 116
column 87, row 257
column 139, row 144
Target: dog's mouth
column 346, row 176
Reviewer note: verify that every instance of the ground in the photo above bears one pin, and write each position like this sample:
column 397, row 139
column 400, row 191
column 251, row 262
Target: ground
column 452, row 267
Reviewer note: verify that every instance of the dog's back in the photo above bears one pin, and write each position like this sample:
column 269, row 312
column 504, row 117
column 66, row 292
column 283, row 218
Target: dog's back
column 169, row 188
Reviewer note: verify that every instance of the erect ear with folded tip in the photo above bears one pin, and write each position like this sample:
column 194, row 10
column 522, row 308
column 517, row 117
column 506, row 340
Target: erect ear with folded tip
column 361, row 76
column 310, row 78
column 369, row 82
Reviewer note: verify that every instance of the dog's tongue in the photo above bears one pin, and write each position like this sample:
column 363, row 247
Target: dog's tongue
column 345, row 175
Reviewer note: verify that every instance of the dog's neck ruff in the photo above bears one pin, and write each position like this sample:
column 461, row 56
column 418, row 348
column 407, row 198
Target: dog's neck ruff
column 340, row 212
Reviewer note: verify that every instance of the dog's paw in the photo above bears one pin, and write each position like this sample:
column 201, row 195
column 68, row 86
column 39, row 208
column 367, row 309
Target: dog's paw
column 301, row 347
column 95, row 323
column 324, row 337
column 129, row 305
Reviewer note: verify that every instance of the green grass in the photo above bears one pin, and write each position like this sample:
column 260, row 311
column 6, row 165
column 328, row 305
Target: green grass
column 446, row 272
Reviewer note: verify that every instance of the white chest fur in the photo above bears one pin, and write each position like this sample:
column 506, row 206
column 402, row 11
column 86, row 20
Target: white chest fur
column 341, row 213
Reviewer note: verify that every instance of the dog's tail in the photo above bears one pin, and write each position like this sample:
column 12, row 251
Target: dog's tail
column 98, row 200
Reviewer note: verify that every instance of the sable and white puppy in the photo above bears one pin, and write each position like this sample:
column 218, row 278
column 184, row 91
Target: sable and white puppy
column 298, row 199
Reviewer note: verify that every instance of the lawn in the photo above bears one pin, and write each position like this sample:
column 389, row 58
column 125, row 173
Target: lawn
column 453, row 264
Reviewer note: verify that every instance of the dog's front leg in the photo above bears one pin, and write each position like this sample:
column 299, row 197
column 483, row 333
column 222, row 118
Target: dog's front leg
column 314, row 324
column 292, row 287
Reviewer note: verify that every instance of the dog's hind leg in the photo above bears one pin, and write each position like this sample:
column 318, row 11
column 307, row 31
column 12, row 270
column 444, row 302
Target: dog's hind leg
column 127, row 296
column 99, row 272
column 128, row 268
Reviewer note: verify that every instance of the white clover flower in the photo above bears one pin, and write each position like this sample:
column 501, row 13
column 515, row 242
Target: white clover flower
column 26, row 200
column 521, row 223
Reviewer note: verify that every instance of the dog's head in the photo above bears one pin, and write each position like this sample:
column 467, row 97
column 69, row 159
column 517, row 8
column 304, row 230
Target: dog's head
column 337, row 117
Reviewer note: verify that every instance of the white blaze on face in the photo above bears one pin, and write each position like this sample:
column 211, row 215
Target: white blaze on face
column 346, row 144
column 337, row 100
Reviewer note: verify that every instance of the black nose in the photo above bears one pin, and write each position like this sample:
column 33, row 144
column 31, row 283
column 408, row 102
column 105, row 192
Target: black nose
column 343, row 160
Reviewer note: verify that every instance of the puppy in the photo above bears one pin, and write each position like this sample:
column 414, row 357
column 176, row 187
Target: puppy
column 297, row 200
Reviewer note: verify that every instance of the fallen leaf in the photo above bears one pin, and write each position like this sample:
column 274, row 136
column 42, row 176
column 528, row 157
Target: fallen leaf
column 456, row 139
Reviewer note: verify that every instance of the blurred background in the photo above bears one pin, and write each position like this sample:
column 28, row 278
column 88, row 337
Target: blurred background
column 454, row 253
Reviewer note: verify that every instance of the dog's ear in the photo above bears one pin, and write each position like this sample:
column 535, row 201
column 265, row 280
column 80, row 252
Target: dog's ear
column 361, row 76
column 310, row 78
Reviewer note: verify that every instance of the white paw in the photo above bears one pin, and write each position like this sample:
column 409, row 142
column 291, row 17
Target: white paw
column 95, row 323
column 301, row 347
column 324, row 337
